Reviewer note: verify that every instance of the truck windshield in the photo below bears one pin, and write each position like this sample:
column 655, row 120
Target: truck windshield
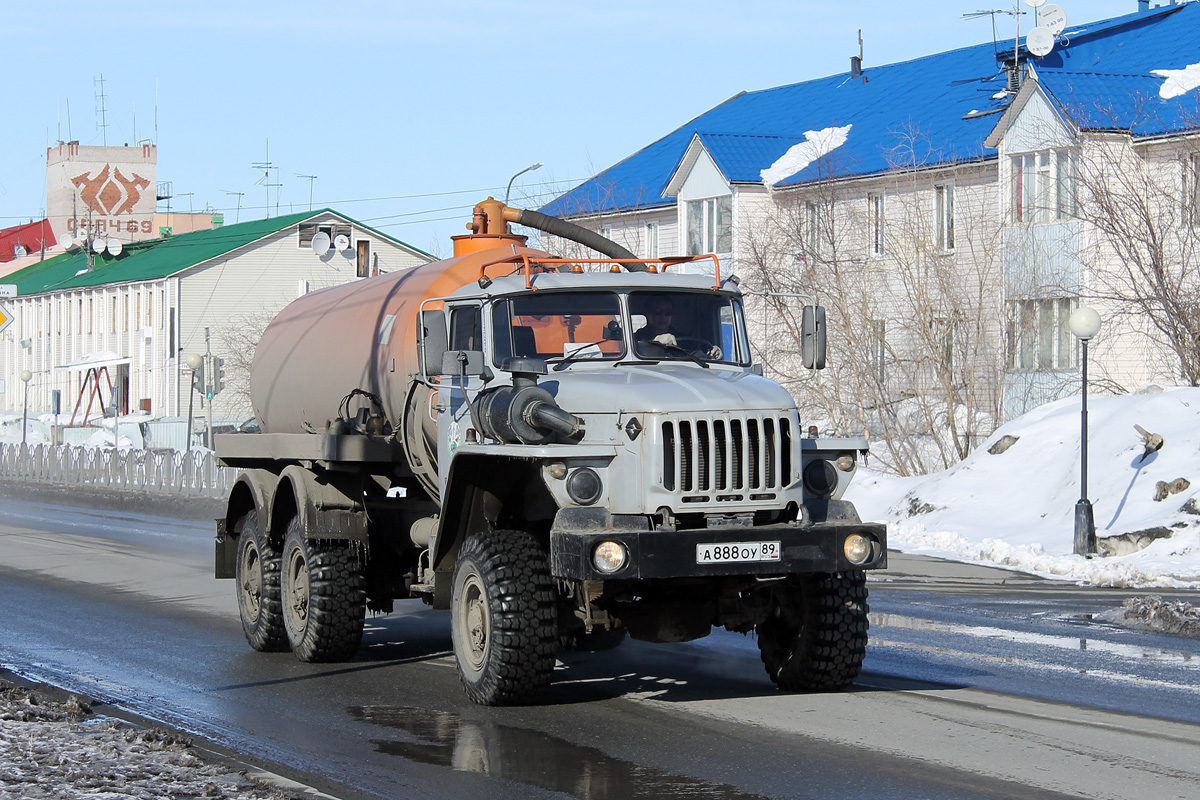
column 557, row 325
column 688, row 325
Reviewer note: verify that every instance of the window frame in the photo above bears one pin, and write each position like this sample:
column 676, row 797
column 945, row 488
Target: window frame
column 944, row 211
column 876, row 243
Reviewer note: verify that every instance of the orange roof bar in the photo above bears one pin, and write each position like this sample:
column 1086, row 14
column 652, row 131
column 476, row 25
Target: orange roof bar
column 527, row 263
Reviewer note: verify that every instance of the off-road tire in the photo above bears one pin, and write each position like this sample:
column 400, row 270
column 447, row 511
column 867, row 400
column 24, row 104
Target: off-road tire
column 257, row 581
column 503, row 622
column 323, row 597
column 815, row 637
column 597, row 641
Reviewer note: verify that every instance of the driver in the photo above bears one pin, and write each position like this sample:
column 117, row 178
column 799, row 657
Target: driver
column 659, row 312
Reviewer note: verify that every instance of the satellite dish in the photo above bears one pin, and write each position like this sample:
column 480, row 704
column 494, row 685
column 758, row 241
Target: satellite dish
column 1039, row 41
column 320, row 243
column 342, row 242
column 1052, row 17
column 114, row 247
column 1034, row 3
column 67, row 242
column 97, row 245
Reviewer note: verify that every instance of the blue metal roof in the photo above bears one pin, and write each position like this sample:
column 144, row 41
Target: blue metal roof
column 924, row 112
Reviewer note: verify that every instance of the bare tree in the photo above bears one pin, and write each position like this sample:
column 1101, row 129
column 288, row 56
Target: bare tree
column 909, row 270
column 1142, row 202
column 237, row 342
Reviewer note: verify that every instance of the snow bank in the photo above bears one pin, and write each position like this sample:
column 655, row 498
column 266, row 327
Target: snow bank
column 1014, row 506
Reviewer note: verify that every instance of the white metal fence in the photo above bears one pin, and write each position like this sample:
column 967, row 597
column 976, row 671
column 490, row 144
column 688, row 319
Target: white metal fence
column 166, row 472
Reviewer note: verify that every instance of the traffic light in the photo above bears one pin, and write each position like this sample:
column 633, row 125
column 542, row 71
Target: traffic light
column 218, row 376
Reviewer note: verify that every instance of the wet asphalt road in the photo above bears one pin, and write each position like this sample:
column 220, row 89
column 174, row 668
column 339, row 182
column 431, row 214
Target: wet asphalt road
column 978, row 684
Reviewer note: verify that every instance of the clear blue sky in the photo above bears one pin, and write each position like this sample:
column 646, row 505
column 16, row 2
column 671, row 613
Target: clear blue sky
column 410, row 112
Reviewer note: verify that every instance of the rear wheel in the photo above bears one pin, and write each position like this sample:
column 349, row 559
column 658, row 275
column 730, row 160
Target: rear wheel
column 257, row 580
column 503, row 618
column 815, row 637
column 324, row 597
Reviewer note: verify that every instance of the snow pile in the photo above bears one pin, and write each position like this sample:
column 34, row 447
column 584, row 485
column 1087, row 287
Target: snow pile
column 1012, row 502
column 1155, row 614
column 799, row 156
column 51, row 749
column 1178, row 81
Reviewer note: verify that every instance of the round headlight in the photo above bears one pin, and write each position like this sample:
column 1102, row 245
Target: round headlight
column 584, row 486
column 820, row 479
column 857, row 548
column 609, row 556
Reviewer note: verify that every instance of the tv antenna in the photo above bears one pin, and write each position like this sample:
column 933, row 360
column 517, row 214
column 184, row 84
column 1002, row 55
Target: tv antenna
column 992, row 12
column 265, row 181
column 101, row 109
column 238, row 215
column 310, row 179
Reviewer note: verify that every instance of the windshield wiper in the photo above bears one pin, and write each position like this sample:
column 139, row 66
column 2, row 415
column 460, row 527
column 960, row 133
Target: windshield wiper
column 574, row 355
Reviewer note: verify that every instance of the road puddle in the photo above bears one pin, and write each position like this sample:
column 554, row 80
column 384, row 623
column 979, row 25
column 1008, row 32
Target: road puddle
column 530, row 757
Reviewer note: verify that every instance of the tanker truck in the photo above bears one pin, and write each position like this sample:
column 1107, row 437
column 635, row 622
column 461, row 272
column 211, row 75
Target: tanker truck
column 560, row 452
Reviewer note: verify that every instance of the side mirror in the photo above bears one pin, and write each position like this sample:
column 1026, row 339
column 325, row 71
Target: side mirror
column 433, row 342
column 454, row 362
column 812, row 342
column 612, row 331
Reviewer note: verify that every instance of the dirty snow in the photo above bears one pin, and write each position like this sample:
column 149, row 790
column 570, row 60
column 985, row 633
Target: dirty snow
column 799, row 156
column 1178, row 81
column 60, row 749
column 1015, row 507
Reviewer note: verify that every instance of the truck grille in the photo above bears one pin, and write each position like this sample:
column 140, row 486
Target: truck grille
column 727, row 459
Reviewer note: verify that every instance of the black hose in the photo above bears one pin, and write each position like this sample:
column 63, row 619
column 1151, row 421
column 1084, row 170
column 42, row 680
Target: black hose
column 552, row 418
column 577, row 233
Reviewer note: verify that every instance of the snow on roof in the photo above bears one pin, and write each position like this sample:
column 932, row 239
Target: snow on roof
column 1178, row 81
column 815, row 145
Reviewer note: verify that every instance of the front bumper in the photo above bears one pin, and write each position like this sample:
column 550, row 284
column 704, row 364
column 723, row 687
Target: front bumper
column 805, row 549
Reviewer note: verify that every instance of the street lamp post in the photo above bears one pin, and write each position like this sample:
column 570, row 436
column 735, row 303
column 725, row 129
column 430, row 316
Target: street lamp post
column 194, row 360
column 26, row 376
column 530, row 168
column 1084, row 324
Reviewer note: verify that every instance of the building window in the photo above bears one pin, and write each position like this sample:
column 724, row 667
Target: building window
column 651, row 245
column 945, row 216
column 1191, row 190
column 1039, row 335
column 362, row 266
column 875, row 222
column 812, row 229
column 941, row 337
column 1043, row 187
column 709, row 225
column 879, row 349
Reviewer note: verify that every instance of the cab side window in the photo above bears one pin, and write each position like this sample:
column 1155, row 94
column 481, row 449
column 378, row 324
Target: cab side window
column 466, row 331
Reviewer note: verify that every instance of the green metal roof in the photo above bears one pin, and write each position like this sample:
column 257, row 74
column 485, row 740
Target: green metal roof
column 156, row 258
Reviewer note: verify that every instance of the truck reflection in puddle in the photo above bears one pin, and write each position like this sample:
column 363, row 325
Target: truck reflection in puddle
column 531, row 757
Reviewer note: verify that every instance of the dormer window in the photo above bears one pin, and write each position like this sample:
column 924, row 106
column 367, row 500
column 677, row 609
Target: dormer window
column 710, row 225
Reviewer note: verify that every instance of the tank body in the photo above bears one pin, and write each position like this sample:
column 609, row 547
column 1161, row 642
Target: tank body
column 360, row 335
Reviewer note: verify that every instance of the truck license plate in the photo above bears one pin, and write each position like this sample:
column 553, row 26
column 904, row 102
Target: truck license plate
column 737, row 552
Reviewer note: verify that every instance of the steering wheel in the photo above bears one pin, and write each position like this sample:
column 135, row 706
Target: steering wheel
column 699, row 347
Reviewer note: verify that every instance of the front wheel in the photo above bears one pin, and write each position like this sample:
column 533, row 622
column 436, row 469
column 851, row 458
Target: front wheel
column 324, row 597
column 815, row 636
column 503, row 618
